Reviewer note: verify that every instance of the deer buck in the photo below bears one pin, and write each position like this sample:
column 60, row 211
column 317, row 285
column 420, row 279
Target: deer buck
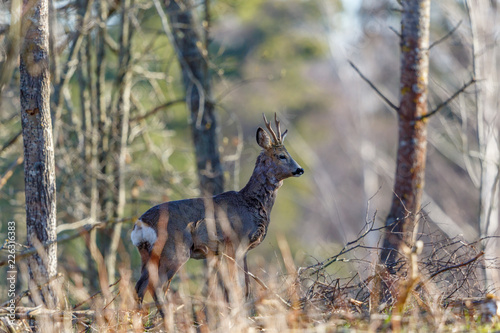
column 168, row 234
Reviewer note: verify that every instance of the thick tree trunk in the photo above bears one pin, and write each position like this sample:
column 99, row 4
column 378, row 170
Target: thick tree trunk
column 192, row 57
column 40, row 181
column 402, row 220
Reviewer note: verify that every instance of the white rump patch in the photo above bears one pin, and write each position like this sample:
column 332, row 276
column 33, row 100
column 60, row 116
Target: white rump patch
column 143, row 233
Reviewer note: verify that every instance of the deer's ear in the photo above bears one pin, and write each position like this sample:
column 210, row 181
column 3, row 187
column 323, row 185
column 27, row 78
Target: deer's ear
column 263, row 139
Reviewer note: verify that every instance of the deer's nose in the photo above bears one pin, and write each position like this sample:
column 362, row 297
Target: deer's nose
column 298, row 172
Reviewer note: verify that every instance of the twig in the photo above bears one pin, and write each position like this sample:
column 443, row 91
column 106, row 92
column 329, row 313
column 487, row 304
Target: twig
column 11, row 141
column 65, row 238
column 10, row 171
column 327, row 262
column 33, row 250
column 446, row 36
column 259, row 281
column 374, row 87
column 456, row 266
column 88, row 222
column 395, row 31
column 95, row 294
column 445, row 103
column 157, row 109
column 448, row 268
column 28, row 292
column 238, row 85
column 56, row 315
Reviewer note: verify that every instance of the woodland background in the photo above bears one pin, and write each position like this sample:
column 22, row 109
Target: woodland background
column 290, row 57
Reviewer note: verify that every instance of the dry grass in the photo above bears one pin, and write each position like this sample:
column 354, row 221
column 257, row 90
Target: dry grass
column 437, row 287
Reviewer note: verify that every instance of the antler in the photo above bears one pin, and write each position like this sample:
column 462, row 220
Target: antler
column 269, row 127
column 277, row 127
column 277, row 136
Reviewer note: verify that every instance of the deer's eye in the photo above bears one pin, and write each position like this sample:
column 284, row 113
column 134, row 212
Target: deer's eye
column 282, row 157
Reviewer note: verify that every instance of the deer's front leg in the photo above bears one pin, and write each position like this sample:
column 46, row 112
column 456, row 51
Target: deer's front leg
column 247, row 278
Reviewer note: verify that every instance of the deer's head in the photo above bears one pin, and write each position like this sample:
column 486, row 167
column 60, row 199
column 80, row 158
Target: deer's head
column 276, row 159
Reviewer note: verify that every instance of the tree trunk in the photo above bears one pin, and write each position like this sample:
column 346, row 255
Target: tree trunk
column 103, row 183
column 402, row 220
column 86, row 80
column 483, row 16
column 196, row 78
column 61, row 83
column 120, row 134
column 40, row 180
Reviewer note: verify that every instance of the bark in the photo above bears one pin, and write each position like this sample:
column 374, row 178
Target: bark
column 192, row 57
column 40, row 181
column 402, row 220
column 484, row 15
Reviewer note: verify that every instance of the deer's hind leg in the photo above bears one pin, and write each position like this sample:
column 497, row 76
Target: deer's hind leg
column 173, row 256
column 142, row 284
column 160, row 266
column 149, row 282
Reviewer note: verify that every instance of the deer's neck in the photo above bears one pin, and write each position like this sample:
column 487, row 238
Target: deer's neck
column 262, row 187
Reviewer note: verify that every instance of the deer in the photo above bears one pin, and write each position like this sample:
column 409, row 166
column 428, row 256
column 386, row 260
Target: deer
column 169, row 234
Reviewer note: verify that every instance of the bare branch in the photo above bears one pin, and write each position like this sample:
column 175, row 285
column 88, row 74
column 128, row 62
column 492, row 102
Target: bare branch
column 394, row 107
column 395, row 31
column 95, row 294
column 11, row 141
column 257, row 279
column 238, row 85
column 10, row 171
column 457, row 266
column 28, row 292
column 445, row 103
column 442, row 39
column 157, row 109
column 350, row 246
column 65, row 238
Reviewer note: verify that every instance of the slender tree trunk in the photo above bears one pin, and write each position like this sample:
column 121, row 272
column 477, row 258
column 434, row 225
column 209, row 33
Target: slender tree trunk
column 95, row 206
column 192, row 56
column 86, row 80
column 69, row 69
column 120, row 134
column 484, row 15
column 103, row 122
column 55, row 68
column 40, row 180
column 402, row 221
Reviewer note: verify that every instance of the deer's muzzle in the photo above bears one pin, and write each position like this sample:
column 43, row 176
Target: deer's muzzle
column 298, row 172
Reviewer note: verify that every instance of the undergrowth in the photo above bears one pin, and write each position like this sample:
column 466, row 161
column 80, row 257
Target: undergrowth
column 437, row 286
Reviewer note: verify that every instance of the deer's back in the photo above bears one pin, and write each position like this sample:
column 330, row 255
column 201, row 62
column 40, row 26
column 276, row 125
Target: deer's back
column 230, row 206
column 174, row 213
